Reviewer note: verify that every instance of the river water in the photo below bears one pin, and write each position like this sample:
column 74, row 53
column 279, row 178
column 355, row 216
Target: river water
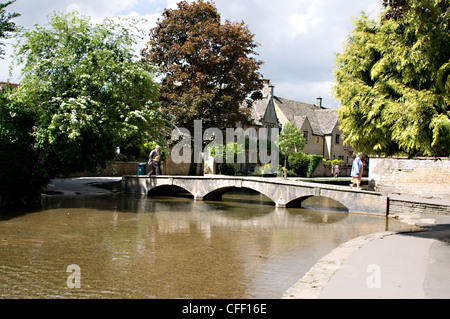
column 126, row 246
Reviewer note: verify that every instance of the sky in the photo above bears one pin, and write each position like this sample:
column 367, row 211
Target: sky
column 298, row 39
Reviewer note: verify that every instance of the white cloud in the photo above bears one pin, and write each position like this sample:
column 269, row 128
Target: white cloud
column 309, row 90
column 172, row 4
column 104, row 8
column 373, row 10
column 304, row 22
column 73, row 7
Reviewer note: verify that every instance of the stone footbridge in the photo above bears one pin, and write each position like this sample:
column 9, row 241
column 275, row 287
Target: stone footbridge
column 284, row 193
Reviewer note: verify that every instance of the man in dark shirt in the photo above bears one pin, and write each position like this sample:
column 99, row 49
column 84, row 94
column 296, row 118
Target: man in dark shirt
column 154, row 161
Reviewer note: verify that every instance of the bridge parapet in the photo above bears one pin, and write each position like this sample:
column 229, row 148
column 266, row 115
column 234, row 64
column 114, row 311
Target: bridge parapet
column 282, row 192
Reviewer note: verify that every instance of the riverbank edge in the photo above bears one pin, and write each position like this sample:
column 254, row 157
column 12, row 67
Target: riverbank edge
column 316, row 279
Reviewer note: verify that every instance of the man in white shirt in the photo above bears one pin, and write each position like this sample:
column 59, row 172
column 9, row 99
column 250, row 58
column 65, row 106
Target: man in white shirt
column 357, row 171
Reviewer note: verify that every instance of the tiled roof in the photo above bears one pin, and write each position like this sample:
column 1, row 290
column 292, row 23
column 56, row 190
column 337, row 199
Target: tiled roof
column 327, row 119
column 258, row 110
column 322, row 120
column 292, row 109
column 6, row 83
column 299, row 120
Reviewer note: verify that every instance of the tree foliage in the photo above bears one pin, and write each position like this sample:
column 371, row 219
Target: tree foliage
column 222, row 156
column 22, row 178
column 291, row 140
column 88, row 88
column 395, row 9
column 208, row 68
column 393, row 81
column 299, row 162
column 6, row 25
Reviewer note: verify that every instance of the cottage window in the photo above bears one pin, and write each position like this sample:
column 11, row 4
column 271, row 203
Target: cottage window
column 338, row 139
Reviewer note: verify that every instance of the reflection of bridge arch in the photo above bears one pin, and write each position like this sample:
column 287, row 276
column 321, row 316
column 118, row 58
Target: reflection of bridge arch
column 283, row 193
column 320, row 203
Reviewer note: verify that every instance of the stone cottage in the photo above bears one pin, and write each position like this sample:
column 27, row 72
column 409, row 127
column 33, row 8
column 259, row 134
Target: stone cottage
column 318, row 123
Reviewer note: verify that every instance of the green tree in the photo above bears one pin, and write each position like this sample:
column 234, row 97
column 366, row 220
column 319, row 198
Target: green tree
column 89, row 90
column 395, row 9
column 7, row 27
column 208, row 68
column 291, row 140
column 393, row 81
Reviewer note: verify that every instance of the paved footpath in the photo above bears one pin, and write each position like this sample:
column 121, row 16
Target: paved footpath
column 382, row 266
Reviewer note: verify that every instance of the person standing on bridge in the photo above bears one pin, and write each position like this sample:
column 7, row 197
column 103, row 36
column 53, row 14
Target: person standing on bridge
column 154, row 160
column 336, row 170
column 357, row 171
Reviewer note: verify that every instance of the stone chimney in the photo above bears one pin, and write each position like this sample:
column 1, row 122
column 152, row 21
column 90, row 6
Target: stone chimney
column 267, row 89
column 319, row 102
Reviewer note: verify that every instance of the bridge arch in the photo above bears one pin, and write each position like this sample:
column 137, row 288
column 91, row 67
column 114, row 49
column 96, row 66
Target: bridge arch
column 165, row 190
column 218, row 193
column 298, row 201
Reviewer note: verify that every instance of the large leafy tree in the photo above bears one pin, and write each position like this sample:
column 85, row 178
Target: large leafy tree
column 89, row 90
column 208, row 67
column 393, row 80
column 7, row 27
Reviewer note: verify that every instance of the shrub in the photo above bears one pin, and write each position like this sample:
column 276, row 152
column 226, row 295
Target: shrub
column 226, row 169
column 299, row 162
column 314, row 160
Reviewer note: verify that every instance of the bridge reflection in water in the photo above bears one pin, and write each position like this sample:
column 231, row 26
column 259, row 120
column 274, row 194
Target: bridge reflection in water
column 284, row 193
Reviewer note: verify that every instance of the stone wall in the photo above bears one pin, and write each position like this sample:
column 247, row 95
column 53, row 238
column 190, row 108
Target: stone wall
column 112, row 169
column 419, row 177
column 131, row 168
column 398, row 205
column 173, row 169
column 325, row 170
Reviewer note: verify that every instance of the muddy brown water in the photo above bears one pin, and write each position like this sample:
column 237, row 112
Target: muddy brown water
column 171, row 247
